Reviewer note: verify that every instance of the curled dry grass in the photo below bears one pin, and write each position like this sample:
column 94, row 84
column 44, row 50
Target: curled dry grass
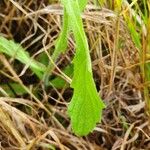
column 25, row 124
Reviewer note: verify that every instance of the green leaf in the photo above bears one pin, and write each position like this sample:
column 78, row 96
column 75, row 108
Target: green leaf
column 16, row 51
column 17, row 88
column 60, row 83
column 85, row 108
column 82, row 4
column 61, row 44
column 43, row 58
column 60, row 47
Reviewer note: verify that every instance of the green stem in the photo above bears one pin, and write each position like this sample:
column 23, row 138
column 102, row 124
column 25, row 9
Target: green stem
column 61, row 46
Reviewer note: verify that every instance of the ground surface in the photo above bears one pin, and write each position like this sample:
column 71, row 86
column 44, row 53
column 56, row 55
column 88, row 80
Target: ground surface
column 24, row 122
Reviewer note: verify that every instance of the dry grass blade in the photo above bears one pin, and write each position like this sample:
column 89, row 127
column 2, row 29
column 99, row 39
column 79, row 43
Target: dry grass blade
column 9, row 126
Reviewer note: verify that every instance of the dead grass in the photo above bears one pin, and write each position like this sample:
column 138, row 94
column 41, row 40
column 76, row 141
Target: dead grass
column 41, row 122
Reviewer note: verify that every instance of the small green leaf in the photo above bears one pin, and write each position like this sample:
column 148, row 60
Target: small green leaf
column 17, row 88
column 60, row 47
column 16, row 51
column 58, row 82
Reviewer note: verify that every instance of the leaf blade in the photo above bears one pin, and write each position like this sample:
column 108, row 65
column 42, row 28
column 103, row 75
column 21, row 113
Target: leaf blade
column 16, row 51
column 85, row 108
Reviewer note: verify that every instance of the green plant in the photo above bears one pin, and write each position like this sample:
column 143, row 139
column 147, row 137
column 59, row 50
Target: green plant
column 85, row 108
